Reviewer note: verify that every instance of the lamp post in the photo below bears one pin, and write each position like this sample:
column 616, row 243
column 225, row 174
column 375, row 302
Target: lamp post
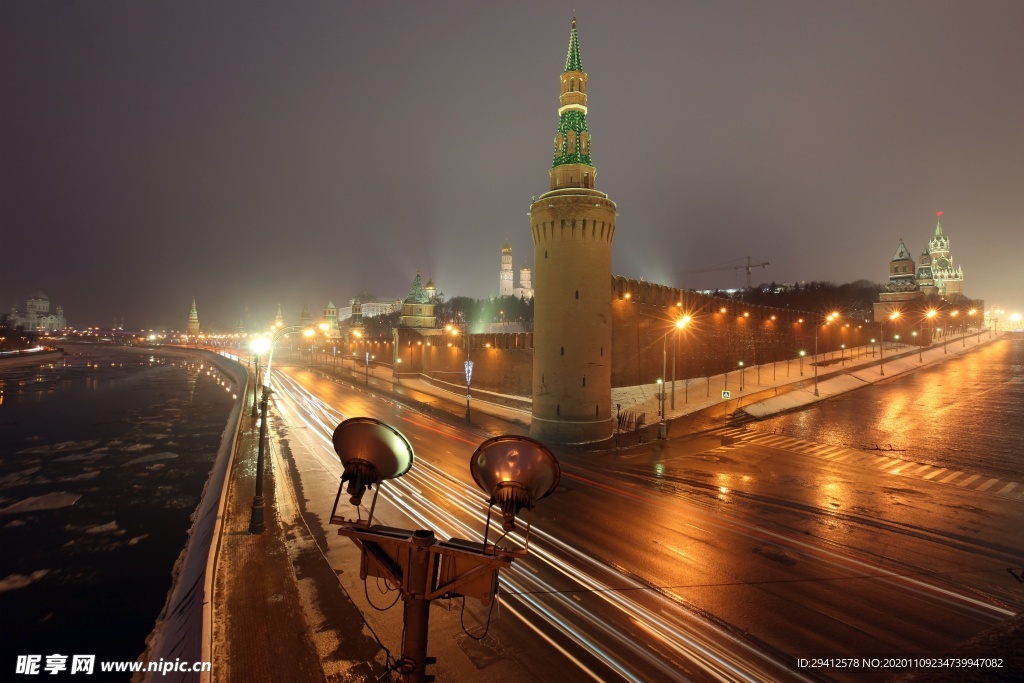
column 468, row 364
column 872, row 347
column 256, row 520
column 680, row 324
column 930, row 315
column 920, row 350
column 842, row 354
column 802, row 354
column 953, row 315
column 259, row 346
column 881, row 345
column 662, row 427
column 742, row 374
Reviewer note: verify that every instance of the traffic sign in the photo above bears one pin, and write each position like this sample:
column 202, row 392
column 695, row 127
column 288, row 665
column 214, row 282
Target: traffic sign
column 726, row 395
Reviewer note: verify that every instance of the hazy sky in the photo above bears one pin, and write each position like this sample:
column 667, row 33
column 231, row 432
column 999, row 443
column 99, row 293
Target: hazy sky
column 251, row 153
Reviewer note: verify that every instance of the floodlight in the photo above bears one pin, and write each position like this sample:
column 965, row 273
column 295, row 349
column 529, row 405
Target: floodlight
column 516, row 472
column 371, row 452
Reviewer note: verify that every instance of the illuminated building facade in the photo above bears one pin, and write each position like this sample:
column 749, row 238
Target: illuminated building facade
column 37, row 315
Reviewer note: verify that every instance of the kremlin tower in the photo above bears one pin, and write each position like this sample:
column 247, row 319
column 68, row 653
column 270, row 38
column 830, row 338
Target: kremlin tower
column 572, row 225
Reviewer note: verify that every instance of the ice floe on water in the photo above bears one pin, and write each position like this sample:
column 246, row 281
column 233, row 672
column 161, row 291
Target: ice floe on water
column 16, row 581
column 17, row 476
column 151, row 458
column 135, row 448
column 110, row 527
column 48, row 501
column 84, row 476
column 61, row 447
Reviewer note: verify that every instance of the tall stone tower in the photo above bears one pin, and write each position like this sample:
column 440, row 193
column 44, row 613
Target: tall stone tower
column 505, row 278
column 192, row 329
column 949, row 280
column 573, row 225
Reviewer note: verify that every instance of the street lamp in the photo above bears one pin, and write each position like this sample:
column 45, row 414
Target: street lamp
column 742, row 373
column 881, row 347
column 259, row 346
column 953, row 315
column 468, row 364
column 931, row 321
column 680, row 324
column 662, row 427
column 842, row 354
column 802, row 354
column 256, row 520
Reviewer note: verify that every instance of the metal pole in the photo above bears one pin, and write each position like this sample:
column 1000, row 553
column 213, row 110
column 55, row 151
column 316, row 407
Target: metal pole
column 256, row 525
column 881, row 347
column 675, row 349
column 254, row 385
column 661, row 387
column 466, row 333
column 815, row 362
column 417, row 607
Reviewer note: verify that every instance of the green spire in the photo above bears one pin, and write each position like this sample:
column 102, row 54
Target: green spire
column 572, row 60
column 573, row 119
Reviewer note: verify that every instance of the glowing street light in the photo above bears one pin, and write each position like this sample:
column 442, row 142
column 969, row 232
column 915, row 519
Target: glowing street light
column 259, row 346
column 802, row 354
column 681, row 324
column 881, row 347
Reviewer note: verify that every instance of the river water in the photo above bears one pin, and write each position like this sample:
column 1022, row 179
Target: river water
column 103, row 458
column 963, row 414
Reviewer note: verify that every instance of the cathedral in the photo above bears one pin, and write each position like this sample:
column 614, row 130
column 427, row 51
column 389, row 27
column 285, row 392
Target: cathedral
column 505, row 283
column 932, row 274
column 37, row 315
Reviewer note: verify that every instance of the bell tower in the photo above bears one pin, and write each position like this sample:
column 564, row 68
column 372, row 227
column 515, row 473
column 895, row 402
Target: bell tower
column 572, row 226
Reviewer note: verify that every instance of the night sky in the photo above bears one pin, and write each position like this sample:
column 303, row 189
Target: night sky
column 255, row 153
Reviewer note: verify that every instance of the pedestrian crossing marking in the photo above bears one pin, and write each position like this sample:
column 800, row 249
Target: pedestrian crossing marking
column 890, row 464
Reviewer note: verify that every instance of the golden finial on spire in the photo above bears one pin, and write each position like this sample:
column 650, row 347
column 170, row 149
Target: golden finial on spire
column 574, row 18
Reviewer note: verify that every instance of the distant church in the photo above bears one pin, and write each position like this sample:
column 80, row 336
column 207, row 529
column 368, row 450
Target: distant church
column 932, row 273
column 505, row 282
column 37, row 315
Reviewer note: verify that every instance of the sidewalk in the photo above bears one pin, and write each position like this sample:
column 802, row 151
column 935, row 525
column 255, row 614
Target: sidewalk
column 259, row 632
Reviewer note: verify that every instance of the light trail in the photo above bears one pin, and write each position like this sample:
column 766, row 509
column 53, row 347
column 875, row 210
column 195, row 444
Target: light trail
column 619, row 643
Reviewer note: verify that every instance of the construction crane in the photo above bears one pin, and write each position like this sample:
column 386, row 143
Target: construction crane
column 750, row 266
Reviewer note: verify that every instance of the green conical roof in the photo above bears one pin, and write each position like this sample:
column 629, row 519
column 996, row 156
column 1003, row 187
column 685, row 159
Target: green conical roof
column 572, row 60
column 418, row 294
column 573, row 120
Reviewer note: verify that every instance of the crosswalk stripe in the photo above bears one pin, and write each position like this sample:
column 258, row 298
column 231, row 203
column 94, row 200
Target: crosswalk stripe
column 919, row 470
column 969, row 479
column 946, row 480
column 901, row 468
column 1006, row 489
column 987, row 485
column 935, row 473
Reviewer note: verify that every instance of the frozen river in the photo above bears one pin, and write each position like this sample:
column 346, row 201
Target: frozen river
column 103, row 458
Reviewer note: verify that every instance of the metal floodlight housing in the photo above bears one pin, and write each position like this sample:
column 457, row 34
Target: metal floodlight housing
column 371, row 451
column 516, row 472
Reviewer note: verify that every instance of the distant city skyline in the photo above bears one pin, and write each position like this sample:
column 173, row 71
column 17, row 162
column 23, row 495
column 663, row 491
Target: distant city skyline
column 253, row 155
